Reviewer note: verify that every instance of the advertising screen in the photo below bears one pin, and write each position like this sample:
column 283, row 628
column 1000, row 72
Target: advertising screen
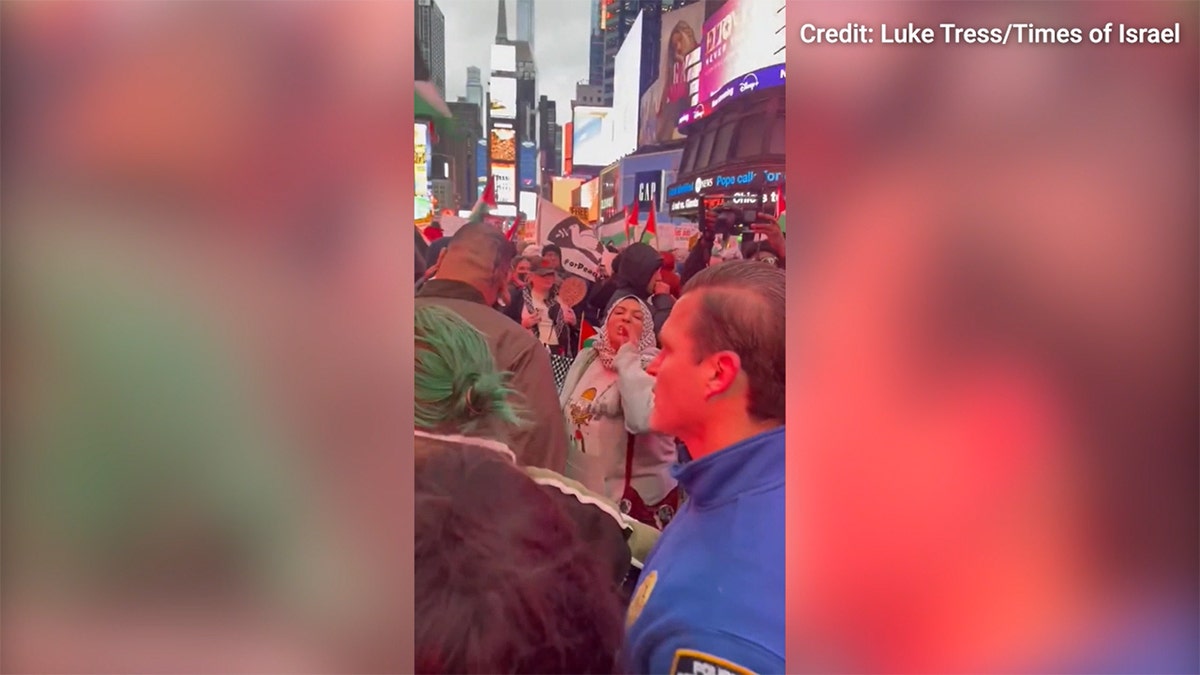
column 481, row 167
column 528, row 164
column 668, row 98
column 609, row 180
column 588, row 193
column 502, row 98
column 742, row 37
column 592, row 145
column 502, row 145
column 504, row 177
column 423, row 206
column 504, row 58
column 568, row 148
column 627, row 69
column 527, row 203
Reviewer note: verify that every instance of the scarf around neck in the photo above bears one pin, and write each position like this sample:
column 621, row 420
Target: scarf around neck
column 645, row 344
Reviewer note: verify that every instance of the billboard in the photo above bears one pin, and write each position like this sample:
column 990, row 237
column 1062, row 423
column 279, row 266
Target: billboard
column 669, row 97
column 588, row 193
column 504, row 58
column 593, row 142
column 481, row 167
column 527, row 203
column 609, row 182
column 742, row 37
column 504, row 177
column 423, row 205
column 502, row 98
column 627, row 69
column 528, row 164
column 568, row 148
column 502, row 145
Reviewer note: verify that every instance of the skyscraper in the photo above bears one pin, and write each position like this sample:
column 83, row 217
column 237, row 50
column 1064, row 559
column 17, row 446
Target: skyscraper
column 501, row 23
column 547, row 123
column 525, row 21
column 596, row 46
column 475, row 91
column 431, row 41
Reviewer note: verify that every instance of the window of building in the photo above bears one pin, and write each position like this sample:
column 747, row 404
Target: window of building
column 704, row 155
column 778, row 144
column 724, row 137
column 750, row 136
column 688, row 158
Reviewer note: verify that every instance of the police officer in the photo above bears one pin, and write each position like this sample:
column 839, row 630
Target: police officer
column 711, row 596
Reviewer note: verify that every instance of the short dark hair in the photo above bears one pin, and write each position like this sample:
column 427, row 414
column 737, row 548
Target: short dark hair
column 741, row 309
column 504, row 583
column 485, row 245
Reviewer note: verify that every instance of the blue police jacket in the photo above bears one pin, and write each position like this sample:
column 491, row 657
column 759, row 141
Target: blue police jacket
column 711, row 596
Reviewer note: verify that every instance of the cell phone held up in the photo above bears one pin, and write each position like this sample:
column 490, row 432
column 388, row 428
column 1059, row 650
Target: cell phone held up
column 733, row 222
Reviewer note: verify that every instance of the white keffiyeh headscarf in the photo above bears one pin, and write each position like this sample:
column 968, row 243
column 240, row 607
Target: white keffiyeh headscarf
column 646, row 345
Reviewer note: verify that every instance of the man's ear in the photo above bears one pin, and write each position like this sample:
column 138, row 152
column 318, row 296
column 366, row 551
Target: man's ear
column 725, row 367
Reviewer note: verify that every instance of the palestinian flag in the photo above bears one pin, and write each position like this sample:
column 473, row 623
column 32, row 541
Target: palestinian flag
column 487, row 202
column 631, row 221
column 651, row 231
column 587, row 335
column 780, row 209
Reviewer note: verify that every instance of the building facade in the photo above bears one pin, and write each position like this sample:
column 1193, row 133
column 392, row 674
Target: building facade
column 431, row 41
column 547, row 138
column 614, row 20
column 460, row 147
column 525, row 21
column 475, row 90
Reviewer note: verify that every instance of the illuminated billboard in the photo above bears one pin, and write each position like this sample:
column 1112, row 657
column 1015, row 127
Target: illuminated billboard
column 669, row 97
column 568, row 148
column 423, row 205
column 502, row 98
column 481, row 167
column 593, row 142
column 504, row 58
column 528, row 165
column 627, row 71
column 504, row 177
column 502, row 145
column 741, row 38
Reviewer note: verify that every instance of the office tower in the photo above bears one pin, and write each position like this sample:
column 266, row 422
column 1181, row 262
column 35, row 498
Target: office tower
column 431, row 41
column 547, row 123
column 525, row 21
column 595, row 46
column 461, row 148
column 501, row 23
column 475, row 90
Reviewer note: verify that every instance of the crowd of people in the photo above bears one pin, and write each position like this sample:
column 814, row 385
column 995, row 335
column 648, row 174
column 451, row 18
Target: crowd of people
column 626, row 512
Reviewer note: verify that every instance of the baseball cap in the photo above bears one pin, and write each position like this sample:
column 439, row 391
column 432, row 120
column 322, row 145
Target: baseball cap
column 542, row 266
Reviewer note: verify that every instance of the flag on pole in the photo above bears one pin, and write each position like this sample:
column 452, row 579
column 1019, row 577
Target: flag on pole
column 780, row 210
column 587, row 335
column 651, row 230
column 631, row 222
column 487, row 202
column 516, row 225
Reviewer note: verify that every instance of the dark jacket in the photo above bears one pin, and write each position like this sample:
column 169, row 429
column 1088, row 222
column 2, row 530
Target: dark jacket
column 638, row 263
column 542, row 442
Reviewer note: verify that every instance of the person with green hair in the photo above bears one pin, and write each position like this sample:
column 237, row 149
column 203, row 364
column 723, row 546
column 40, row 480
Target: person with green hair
column 460, row 396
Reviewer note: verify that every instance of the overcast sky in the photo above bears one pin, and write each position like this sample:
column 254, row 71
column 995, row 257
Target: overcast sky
column 560, row 44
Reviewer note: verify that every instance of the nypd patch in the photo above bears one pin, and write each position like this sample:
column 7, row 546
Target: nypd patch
column 692, row 662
